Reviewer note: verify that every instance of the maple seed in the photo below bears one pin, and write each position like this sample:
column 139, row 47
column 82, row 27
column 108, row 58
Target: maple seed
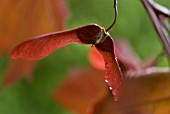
column 101, row 36
column 41, row 46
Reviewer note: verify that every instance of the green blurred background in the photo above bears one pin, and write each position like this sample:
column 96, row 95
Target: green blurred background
column 132, row 24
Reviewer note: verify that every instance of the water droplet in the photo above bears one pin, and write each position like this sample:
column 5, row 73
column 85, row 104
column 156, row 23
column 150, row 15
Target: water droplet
column 110, row 88
column 106, row 81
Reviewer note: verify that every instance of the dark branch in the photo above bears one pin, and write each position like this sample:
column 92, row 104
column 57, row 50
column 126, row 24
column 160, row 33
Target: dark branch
column 156, row 11
column 116, row 15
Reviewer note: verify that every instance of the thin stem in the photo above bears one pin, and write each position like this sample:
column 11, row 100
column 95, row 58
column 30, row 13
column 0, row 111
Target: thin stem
column 148, row 4
column 167, row 25
column 154, row 61
column 116, row 15
column 151, row 71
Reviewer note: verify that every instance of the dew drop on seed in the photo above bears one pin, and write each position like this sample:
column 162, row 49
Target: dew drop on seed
column 110, row 88
column 106, row 81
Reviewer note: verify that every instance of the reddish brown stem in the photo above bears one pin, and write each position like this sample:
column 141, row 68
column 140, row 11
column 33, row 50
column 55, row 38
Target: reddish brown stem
column 116, row 15
column 154, row 13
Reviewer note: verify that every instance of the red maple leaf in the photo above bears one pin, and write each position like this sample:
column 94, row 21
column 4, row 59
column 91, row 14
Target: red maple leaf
column 22, row 22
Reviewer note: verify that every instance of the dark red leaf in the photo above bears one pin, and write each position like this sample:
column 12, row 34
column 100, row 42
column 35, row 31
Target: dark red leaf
column 82, row 89
column 41, row 46
column 29, row 18
column 58, row 11
column 113, row 75
column 147, row 94
column 26, row 19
